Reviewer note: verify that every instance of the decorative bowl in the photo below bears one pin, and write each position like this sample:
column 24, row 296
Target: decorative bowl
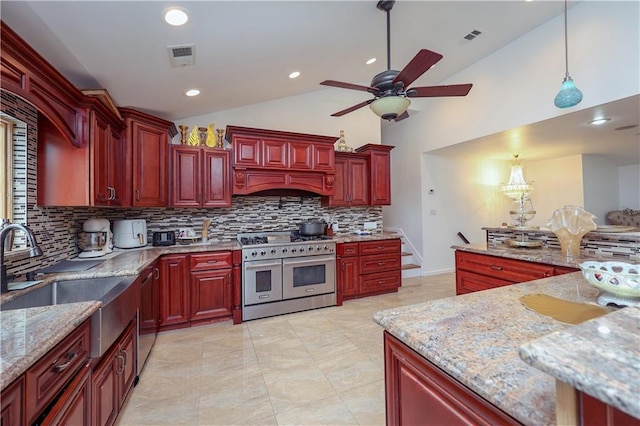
column 619, row 278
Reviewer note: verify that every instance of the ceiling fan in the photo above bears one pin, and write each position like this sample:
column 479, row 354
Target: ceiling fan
column 391, row 89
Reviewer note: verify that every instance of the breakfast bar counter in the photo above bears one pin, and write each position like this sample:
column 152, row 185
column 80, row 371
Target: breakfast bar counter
column 475, row 339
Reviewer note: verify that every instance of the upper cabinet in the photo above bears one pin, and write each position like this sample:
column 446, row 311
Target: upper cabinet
column 200, row 177
column 267, row 160
column 147, row 138
column 379, row 172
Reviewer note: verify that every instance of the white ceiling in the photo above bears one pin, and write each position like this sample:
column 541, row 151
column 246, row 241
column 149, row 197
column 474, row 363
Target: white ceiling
column 245, row 51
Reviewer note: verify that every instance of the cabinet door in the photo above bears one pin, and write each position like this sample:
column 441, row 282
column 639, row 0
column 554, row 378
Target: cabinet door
column 211, row 294
column 247, row 151
column 100, row 133
column 185, row 176
column 358, row 182
column 117, row 162
column 149, row 165
column 275, row 154
column 174, row 290
column 12, row 400
column 348, row 276
column 341, row 183
column 127, row 362
column 300, row 155
column 468, row 282
column 380, row 178
column 516, row 271
column 383, row 282
column 417, row 392
column 74, row 405
column 216, row 181
column 104, row 407
column 323, row 157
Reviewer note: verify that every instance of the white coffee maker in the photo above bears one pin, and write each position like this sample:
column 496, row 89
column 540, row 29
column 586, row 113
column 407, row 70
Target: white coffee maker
column 96, row 238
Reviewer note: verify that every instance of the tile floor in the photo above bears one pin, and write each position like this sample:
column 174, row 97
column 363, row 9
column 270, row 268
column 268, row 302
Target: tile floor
column 317, row 367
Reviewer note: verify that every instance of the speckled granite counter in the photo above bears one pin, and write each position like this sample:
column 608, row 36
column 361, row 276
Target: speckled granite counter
column 28, row 334
column 600, row 357
column 353, row 238
column 539, row 255
column 475, row 339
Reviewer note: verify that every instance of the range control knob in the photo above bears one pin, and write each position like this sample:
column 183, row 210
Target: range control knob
column 301, row 249
column 284, row 250
column 273, row 251
column 310, row 248
column 326, row 248
column 293, row 250
column 262, row 253
column 254, row 253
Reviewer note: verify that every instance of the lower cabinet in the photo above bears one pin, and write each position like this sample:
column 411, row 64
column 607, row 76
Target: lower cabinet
column 417, row 392
column 368, row 268
column 475, row 272
column 12, row 401
column 113, row 378
column 196, row 288
column 74, row 406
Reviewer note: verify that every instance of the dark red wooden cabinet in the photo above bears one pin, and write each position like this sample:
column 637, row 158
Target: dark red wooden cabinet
column 379, row 172
column 351, row 187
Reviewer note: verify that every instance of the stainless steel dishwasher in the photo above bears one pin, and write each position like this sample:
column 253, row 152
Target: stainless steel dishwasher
column 149, row 314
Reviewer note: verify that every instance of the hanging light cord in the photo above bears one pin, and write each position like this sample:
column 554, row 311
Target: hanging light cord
column 566, row 44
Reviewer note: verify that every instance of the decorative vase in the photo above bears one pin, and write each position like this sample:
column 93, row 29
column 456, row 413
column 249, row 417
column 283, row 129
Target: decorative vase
column 183, row 134
column 202, row 136
column 211, row 137
column 220, row 137
column 193, row 140
column 342, row 144
column 570, row 224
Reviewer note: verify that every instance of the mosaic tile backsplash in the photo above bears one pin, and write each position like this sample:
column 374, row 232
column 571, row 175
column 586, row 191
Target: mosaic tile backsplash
column 55, row 228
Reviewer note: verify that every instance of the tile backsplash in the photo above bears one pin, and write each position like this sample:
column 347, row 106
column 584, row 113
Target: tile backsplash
column 55, row 228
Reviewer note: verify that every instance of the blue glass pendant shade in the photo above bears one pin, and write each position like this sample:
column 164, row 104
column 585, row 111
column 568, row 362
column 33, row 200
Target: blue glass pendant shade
column 569, row 95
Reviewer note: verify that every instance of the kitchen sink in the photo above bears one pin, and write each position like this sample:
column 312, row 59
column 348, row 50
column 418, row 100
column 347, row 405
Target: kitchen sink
column 120, row 297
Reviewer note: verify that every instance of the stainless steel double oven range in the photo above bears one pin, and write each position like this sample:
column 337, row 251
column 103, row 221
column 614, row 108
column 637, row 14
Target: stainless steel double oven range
column 284, row 272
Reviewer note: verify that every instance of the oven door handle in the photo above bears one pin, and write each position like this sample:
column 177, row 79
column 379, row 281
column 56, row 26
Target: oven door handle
column 250, row 265
column 308, row 260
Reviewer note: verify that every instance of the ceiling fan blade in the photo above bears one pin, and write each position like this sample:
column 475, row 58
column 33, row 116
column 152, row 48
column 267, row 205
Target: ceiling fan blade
column 343, row 85
column 420, row 63
column 435, row 91
column 402, row 116
column 351, row 109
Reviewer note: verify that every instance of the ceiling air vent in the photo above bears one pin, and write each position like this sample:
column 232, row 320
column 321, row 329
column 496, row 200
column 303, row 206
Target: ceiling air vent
column 473, row 34
column 183, row 55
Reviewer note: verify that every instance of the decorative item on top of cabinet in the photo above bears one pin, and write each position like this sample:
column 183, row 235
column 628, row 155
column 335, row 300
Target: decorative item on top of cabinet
column 211, row 137
column 220, row 136
column 148, row 138
column 194, row 139
column 200, row 177
column 183, row 134
column 379, row 172
column 342, row 144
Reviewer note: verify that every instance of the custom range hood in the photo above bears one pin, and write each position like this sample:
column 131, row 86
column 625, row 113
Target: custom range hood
column 278, row 162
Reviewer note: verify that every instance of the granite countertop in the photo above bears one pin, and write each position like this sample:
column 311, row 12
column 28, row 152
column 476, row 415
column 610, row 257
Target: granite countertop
column 475, row 338
column 540, row 255
column 354, row 238
column 28, row 334
column 600, row 357
column 633, row 235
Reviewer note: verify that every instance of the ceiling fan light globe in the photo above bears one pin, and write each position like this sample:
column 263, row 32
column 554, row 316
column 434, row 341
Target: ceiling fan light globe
column 569, row 95
column 390, row 107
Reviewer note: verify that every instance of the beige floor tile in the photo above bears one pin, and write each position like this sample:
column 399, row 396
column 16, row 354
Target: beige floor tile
column 329, row 411
column 294, row 387
column 351, row 369
column 366, row 403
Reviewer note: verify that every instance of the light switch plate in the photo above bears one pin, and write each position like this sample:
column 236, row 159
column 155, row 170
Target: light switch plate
column 370, row 225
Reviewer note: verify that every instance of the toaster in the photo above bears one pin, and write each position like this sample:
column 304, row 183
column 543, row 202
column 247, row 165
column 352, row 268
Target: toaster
column 164, row 238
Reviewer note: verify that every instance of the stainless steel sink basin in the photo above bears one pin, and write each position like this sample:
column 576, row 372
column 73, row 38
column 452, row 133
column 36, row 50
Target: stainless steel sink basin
column 120, row 297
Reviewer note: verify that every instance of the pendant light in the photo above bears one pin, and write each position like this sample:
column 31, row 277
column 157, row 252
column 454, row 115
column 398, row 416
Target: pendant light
column 569, row 94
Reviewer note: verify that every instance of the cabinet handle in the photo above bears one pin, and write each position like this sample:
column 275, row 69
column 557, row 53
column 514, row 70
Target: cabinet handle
column 380, row 263
column 212, row 261
column 381, row 282
column 60, row 368
column 123, row 361
column 156, row 273
column 496, row 268
column 112, row 193
column 343, row 266
column 137, row 195
column 380, row 247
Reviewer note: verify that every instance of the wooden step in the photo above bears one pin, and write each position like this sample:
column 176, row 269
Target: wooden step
column 406, row 253
column 410, row 266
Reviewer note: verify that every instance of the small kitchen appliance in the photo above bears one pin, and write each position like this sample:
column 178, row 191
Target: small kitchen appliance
column 164, row 238
column 130, row 233
column 96, row 238
column 284, row 272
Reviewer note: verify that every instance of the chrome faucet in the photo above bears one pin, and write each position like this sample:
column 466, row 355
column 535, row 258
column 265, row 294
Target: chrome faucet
column 33, row 251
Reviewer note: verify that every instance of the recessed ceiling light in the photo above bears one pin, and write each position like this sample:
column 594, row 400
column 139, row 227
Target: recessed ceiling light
column 294, row 74
column 176, row 17
column 599, row 121
column 370, row 61
column 192, row 92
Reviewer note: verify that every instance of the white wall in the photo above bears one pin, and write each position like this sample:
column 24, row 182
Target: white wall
column 629, row 185
column 513, row 87
column 310, row 113
column 600, row 186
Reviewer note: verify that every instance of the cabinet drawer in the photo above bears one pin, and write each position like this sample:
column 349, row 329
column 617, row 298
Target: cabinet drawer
column 379, row 282
column 516, row 271
column 380, row 246
column 45, row 378
column 347, row 249
column 468, row 282
column 207, row 261
column 379, row 263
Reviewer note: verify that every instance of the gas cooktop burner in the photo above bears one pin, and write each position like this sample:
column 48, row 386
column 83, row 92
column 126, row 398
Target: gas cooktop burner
column 279, row 237
column 250, row 241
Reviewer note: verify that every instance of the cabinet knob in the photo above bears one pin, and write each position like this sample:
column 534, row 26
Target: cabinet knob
column 496, row 268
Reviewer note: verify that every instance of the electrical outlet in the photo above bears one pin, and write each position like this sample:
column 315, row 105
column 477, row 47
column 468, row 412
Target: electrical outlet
column 370, row 225
column 335, row 226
